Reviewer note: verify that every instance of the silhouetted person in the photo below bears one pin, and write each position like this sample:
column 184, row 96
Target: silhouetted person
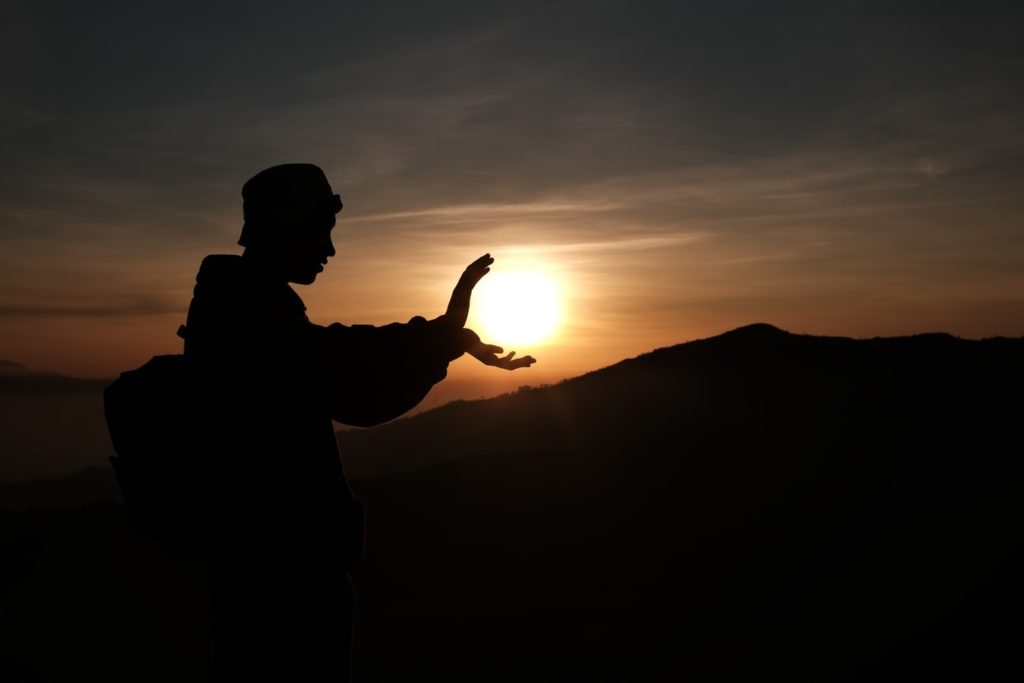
column 285, row 528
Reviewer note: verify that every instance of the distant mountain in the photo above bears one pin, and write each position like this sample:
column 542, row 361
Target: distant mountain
column 84, row 487
column 754, row 504
column 10, row 367
column 17, row 378
column 50, row 424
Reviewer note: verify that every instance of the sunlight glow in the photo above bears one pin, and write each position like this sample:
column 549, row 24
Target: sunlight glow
column 517, row 307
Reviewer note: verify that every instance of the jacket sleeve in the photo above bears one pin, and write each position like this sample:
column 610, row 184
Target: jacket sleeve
column 375, row 374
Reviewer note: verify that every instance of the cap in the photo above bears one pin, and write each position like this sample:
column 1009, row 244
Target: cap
column 285, row 189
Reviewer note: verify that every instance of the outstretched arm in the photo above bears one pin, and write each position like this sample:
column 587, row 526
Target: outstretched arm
column 375, row 374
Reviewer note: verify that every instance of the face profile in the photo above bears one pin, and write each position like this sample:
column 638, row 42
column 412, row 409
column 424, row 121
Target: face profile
column 289, row 213
column 304, row 248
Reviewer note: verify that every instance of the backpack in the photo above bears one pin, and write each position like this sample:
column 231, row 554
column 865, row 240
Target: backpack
column 157, row 423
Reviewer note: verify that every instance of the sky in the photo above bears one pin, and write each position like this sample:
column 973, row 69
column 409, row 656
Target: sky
column 679, row 169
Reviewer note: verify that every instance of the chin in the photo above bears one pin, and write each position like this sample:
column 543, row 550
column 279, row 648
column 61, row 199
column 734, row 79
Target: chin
column 303, row 279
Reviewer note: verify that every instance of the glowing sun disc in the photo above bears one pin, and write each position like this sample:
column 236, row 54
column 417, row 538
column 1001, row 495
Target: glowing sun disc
column 515, row 308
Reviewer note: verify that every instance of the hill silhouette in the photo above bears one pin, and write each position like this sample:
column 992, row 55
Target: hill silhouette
column 738, row 381
column 758, row 501
column 754, row 503
column 50, row 424
column 16, row 376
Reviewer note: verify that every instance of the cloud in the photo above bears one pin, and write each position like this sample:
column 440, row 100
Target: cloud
column 479, row 212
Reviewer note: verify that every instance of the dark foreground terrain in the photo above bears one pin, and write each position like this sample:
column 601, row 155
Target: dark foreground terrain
column 754, row 504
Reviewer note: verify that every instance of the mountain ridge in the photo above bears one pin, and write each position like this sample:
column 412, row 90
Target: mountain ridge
column 748, row 349
column 17, row 377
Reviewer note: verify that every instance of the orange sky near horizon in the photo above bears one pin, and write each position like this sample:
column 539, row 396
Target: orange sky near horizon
column 679, row 171
column 621, row 296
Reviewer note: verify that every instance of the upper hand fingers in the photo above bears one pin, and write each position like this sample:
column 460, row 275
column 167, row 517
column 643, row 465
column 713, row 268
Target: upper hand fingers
column 482, row 262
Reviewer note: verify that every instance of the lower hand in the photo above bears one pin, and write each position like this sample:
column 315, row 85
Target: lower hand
column 488, row 354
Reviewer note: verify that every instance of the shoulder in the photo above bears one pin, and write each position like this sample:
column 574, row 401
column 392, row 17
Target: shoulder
column 226, row 286
column 219, row 266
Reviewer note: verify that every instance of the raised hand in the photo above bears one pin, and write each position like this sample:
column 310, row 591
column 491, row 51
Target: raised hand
column 458, row 305
column 488, row 354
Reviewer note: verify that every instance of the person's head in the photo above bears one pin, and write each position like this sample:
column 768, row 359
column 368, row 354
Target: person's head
column 289, row 213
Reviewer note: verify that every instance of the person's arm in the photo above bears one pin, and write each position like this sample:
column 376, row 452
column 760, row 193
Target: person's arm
column 375, row 374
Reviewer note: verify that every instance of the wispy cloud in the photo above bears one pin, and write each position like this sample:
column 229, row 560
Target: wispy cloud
column 478, row 212
column 110, row 309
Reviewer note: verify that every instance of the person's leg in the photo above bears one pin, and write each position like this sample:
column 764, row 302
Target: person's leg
column 282, row 628
column 243, row 628
column 326, row 642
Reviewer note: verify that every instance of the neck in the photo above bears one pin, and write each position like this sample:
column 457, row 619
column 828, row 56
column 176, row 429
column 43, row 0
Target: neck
column 263, row 261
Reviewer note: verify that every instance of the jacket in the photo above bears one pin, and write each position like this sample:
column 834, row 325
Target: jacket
column 273, row 381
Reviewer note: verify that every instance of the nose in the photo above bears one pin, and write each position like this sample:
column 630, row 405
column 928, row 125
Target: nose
column 330, row 248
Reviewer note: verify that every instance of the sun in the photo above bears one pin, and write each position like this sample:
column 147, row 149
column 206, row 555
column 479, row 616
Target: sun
column 516, row 308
